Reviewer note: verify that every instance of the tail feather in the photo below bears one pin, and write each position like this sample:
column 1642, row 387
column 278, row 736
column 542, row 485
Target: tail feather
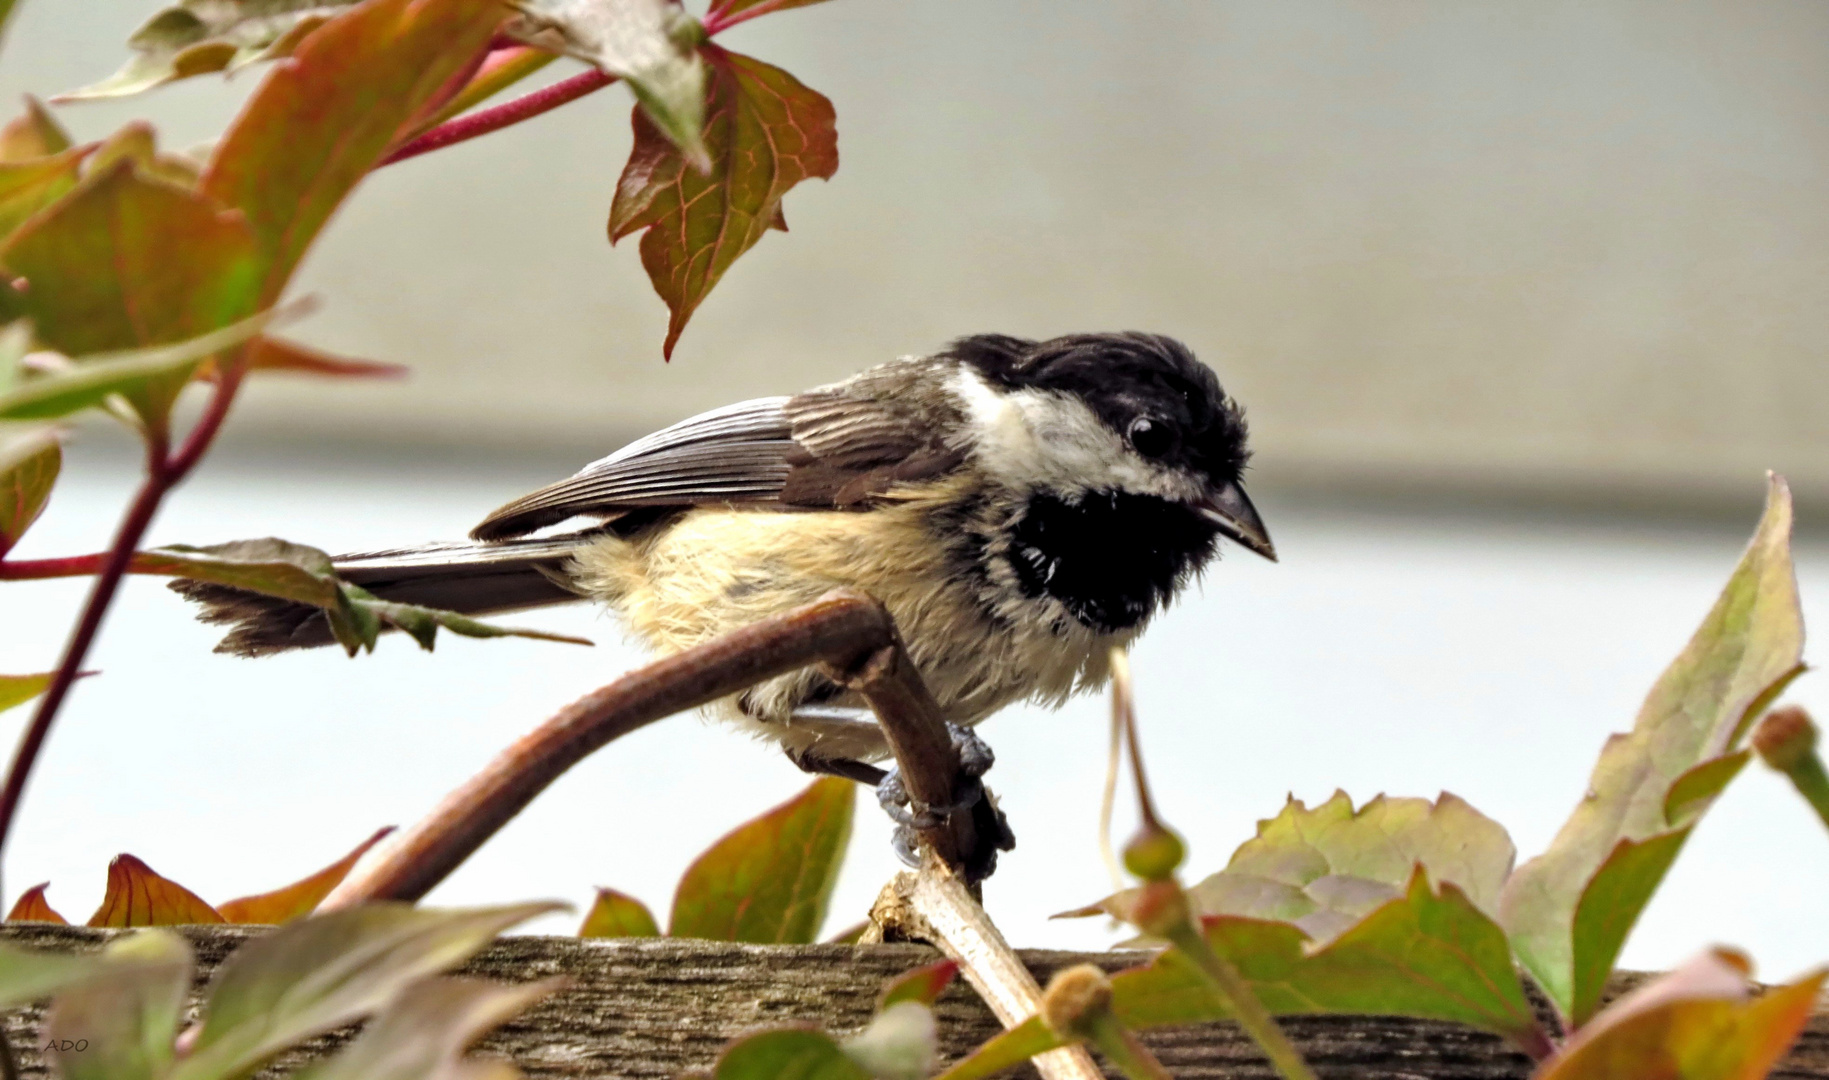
column 473, row 579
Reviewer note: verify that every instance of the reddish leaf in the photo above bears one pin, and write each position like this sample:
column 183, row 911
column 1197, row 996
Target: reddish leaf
column 618, row 915
column 726, row 12
column 321, row 121
column 28, row 187
column 923, row 984
column 768, row 881
column 35, row 134
column 766, row 132
column 138, row 897
column 28, row 469
column 301, row 898
column 274, row 354
column 32, row 907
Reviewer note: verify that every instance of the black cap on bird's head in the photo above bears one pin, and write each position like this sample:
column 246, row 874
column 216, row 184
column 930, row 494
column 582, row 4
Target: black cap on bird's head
column 1165, row 406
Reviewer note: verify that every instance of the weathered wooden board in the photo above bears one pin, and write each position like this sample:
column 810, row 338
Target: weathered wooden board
column 644, row 1009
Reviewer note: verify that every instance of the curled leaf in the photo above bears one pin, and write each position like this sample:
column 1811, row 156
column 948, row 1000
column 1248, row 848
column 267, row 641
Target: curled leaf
column 197, row 37
column 301, row 898
column 765, row 132
column 1747, row 649
column 650, row 44
column 137, row 896
column 768, row 881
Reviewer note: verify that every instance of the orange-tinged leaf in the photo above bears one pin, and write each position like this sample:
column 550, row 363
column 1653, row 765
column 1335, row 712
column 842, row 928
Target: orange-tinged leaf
column 766, row 132
column 28, row 187
column 33, row 907
column 1696, row 1023
column 34, row 134
column 321, row 121
column 768, row 881
column 923, row 984
column 28, row 470
column 617, row 915
column 275, row 354
column 137, row 896
column 300, row 898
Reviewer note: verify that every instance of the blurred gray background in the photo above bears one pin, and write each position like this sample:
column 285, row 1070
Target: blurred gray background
column 1522, row 299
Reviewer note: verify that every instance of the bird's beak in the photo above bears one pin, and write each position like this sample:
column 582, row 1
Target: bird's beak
column 1230, row 509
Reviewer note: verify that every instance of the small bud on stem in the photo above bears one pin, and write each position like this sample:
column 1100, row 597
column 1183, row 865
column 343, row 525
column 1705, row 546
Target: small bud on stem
column 1077, row 1006
column 1786, row 740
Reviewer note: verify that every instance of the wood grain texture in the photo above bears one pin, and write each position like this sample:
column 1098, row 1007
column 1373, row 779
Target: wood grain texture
column 645, row 1009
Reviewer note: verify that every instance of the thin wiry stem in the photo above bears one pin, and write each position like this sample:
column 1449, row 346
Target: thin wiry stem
column 484, row 121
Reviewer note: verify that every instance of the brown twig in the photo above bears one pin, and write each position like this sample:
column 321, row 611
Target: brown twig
column 841, row 629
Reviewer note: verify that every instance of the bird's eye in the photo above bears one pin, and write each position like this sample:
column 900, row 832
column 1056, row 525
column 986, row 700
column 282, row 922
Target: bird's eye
column 1151, row 438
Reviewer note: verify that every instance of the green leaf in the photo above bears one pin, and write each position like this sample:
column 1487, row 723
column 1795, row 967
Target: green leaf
column 274, row 567
column 19, row 689
column 28, row 975
column 125, row 1018
column 269, row 566
column 650, row 44
column 36, row 134
column 102, row 276
column 196, row 37
column 150, row 377
column 1323, row 869
column 27, row 187
column 320, row 973
column 1746, row 650
column 766, row 133
column 901, row 1043
column 320, row 122
column 301, row 898
column 1428, row 954
column 28, row 470
column 618, row 915
column 786, row 1054
column 923, row 984
column 1005, row 1051
column 768, row 882
column 1611, row 903
column 423, row 1034
column 1695, row 1023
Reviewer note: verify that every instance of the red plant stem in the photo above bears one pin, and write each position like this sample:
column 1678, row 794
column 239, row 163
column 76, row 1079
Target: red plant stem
column 68, row 566
column 163, row 472
column 484, row 121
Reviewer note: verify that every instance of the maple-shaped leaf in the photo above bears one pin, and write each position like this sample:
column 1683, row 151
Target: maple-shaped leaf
column 300, row 898
column 765, row 132
column 650, row 44
column 197, row 37
column 137, row 896
column 33, row 907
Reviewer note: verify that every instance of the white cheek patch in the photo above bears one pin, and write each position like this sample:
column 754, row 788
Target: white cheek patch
column 1044, row 439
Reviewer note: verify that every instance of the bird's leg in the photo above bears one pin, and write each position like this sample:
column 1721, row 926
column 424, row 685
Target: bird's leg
column 861, row 771
column 912, row 815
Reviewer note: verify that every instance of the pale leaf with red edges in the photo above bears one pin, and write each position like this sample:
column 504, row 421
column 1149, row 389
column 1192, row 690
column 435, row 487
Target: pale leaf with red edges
column 137, row 896
column 301, row 898
column 766, row 132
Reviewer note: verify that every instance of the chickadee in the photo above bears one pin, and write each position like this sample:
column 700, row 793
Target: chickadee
column 1019, row 506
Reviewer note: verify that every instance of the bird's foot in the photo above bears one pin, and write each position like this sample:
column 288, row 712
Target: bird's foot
column 911, row 816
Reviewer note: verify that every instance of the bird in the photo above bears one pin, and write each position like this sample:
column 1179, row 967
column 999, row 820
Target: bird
column 1019, row 506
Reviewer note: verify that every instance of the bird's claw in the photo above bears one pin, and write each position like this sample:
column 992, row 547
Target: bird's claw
column 912, row 816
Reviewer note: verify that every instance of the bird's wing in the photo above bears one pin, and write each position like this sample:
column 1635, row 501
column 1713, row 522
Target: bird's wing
column 825, row 449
